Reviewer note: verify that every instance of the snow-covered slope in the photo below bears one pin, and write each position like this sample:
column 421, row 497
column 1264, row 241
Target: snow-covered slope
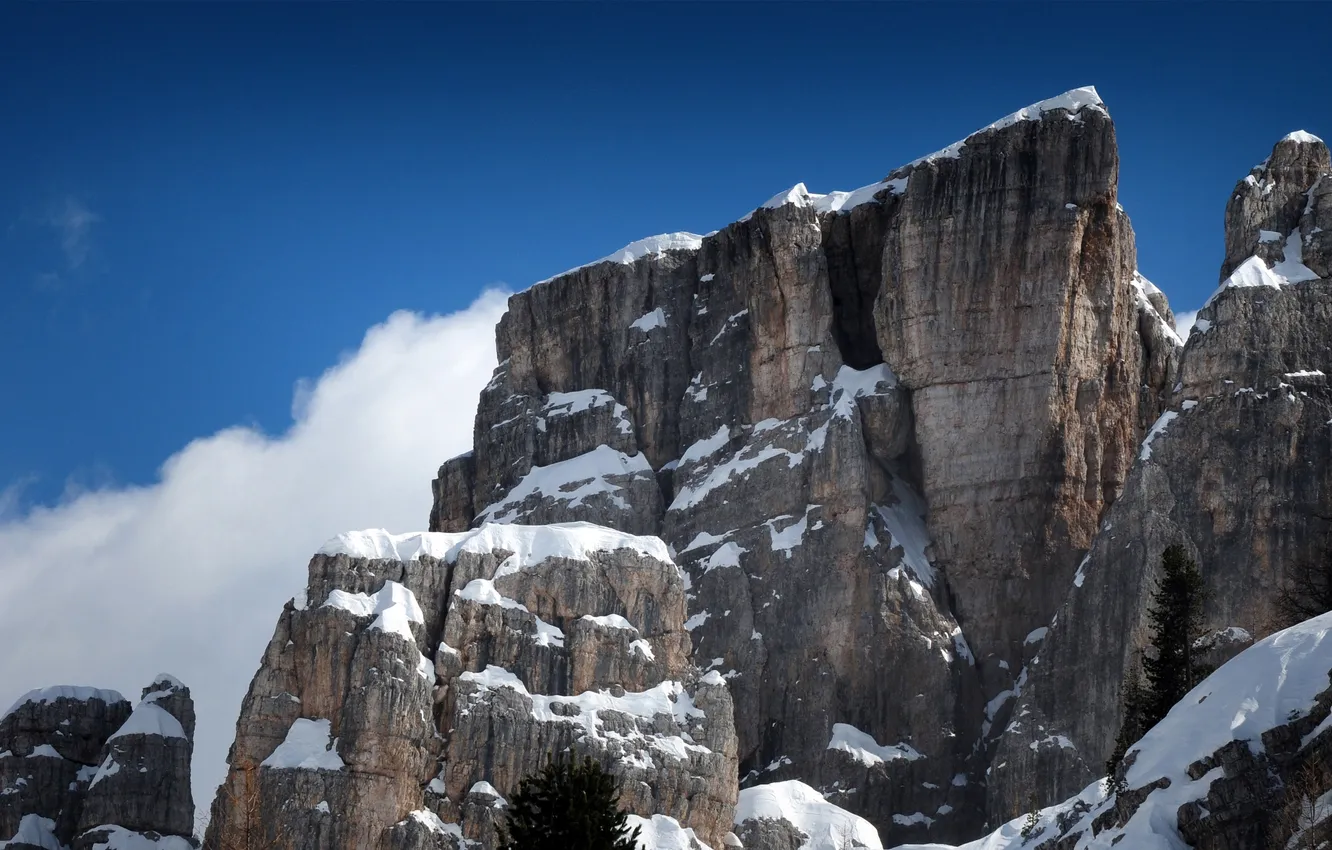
column 1275, row 683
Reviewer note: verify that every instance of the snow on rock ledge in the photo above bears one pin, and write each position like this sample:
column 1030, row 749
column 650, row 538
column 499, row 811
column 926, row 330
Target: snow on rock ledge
column 79, row 693
column 863, row 748
column 635, row 251
column 764, row 810
column 309, row 745
column 528, row 545
column 664, row 833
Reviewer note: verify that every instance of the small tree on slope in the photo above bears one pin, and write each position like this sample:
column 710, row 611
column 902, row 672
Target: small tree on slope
column 1176, row 619
column 1133, row 712
column 566, row 805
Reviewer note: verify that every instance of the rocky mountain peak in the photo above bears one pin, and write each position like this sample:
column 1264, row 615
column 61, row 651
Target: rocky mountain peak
column 1272, row 201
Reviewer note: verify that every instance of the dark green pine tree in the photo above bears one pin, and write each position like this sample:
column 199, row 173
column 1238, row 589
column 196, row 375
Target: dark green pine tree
column 1134, row 704
column 1176, row 619
column 567, row 805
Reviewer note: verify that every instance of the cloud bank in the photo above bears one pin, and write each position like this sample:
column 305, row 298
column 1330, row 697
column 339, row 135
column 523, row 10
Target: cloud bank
column 188, row 575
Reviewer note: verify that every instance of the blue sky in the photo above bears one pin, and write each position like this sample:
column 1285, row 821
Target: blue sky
column 205, row 204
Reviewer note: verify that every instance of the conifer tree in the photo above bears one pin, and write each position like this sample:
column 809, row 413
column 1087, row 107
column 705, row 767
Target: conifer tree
column 568, row 804
column 1134, row 704
column 1176, row 618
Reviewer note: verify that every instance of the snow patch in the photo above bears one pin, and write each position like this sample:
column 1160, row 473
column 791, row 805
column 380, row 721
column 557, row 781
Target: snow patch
column 650, row 321
column 309, row 745
column 570, row 481
column 1302, row 137
column 1142, row 287
column 726, row 555
column 431, row 821
column 791, row 536
column 484, row 787
column 706, row 447
column 835, row 201
column 663, row 833
column 611, row 621
column 150, row 719
column 905, row 524
column 108, row 767
column 863, row 748
column 668, row 698
column 826, row 826
column 81, row 693
column 635, row 251
column 1158, row 428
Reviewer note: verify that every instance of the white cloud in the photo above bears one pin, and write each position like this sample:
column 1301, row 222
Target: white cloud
column 74, row 221
column 1184, row 323
column 188, row 575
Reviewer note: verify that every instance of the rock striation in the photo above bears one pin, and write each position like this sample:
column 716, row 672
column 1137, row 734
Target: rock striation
column 423, row 676
column 1234, row 470
column 878, row 429
column 81, row 769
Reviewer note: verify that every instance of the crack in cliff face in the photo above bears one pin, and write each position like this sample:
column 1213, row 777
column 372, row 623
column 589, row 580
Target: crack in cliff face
column 853, row 250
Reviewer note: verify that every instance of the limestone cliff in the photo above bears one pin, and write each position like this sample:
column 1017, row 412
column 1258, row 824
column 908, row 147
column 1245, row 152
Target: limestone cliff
column 878, row 429
column 1235, row 470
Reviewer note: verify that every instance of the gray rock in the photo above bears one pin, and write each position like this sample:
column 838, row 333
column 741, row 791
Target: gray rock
column 77, row 766
column 513, row 673
column 142, row 782
column 1269, row 204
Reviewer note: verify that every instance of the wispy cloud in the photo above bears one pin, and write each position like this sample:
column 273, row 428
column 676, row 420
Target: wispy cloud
column 63, row 230
column 74, row 220
column 11, row 497
column 190, row 573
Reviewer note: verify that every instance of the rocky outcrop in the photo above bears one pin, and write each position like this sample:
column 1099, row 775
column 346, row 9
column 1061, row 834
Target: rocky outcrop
column 428, row 674
column 80, row 769
column 1240, row 762
column 878, row 429
column 142, row 783
column 1235, row 471
column 1275, row 199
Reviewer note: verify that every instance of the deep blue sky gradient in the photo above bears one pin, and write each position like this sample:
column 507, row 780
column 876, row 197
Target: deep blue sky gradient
column 204, row 203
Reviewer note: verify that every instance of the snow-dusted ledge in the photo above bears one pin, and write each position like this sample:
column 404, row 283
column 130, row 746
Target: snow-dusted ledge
column 528, row 545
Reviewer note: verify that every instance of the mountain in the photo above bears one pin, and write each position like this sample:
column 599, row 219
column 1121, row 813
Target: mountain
column 836, row 528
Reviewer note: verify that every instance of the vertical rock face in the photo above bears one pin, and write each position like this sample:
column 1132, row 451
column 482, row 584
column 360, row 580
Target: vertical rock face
column 877, row 429
column 1235, row 471
column 1006, row 311
column 80, row 769
column 428, row 674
